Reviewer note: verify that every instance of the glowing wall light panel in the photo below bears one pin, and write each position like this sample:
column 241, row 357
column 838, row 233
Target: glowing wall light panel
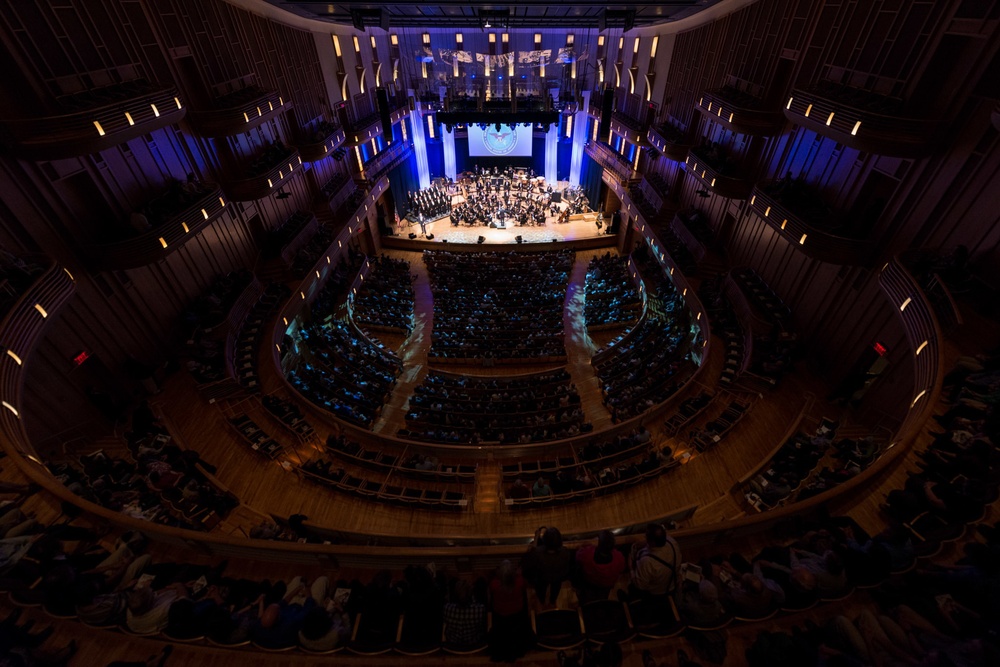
column 163, row 242
column 857, row 126
column 177, row 101
column 918, row 397
column 128, row 117
column 17, row 359
column 808, row 110
column 802, row 241
column 100, row 130
column 41, row 311
column 919, row 349
column 156, row 112
column 11, row 408
column 789, row 105
column 905, row 303
column 829, row 119
column 184, row 226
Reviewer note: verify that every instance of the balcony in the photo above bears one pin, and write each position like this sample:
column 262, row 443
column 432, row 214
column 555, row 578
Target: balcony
column 718, row 173
column 808, row 225
column 175, row 219
column 94, row 121
column 323, row 141
column 611, row 161
column 238, row 112
column 363, row 129
column 387, row 160
column 862, row 120
column 21, row 330
column 740, row 112
column 338, row 189
column 267, row 176
column 670, row 141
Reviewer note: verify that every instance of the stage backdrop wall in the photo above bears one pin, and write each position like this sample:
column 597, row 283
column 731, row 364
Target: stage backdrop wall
column 465, row 163
column 402, row 180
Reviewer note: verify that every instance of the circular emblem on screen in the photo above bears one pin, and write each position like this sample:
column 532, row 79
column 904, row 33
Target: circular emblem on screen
column 500, row 142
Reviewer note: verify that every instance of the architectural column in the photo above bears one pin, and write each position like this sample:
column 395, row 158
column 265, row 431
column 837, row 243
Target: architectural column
column 448, row 138
column 579, row 139
column 420, row 144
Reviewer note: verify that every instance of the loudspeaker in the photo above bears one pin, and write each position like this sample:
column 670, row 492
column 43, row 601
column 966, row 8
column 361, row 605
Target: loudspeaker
column 519, row 239
column 430, row 237
column 607, row 108
column 556, row 197
column 382, row 98
column 482, row 239
column 412, row 235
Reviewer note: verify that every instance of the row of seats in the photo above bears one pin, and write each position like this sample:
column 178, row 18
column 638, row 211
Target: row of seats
column 385, row 298
column 421, row 467
column 598, row 452
column 290, row 415
column 717, row 429
column 256, row 437
column 325, row 472
column 251, row 334
column 611, row 294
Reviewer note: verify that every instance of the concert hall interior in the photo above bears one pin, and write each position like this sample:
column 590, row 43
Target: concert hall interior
column 556, row 333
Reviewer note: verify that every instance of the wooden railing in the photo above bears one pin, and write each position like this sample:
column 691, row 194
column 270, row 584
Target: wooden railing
column 132, row 114
column 390, row 157
column 739, row 112
column 163, row 239
column 830, row 111
column 239, row 112
column 669, row 140
column 20, row 332
column 257, row 187
column 734, row 186
column 611, row 161
column 314, row 151
column 807, row 237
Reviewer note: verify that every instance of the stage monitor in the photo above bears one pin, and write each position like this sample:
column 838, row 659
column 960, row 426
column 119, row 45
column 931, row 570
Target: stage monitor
column 505, row 142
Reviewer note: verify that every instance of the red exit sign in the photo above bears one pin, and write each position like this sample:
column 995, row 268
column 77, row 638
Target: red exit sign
column 880, row 348
column 80, row 358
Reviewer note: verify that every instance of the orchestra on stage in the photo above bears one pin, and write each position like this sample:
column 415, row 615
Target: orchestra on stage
column 495, row 198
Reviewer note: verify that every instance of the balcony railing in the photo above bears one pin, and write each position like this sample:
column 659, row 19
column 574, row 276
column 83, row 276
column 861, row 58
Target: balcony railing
column 862, row 120
column 739, row 112
column 316, row 149
column 338, row 189
column 164, row 238
column 239, row 112
column 385, row 161
column 611, row 161
column 99, row 119
column 923, row 332
column 720, row 179
column 808, row 232
column 670, row 141
column 261, row 185
column 20, row 332
column 363, row 129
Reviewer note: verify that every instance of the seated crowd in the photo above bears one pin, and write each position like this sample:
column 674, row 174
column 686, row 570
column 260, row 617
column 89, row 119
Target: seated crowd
column 385, row 298
column 466, row 409
column 179, row 196
column 273, row 154
column 513, row 310
column 647, row 367
column 343, row 372
column 931, row 615
column 611, row 295
column 204, row 349
column 159, row 482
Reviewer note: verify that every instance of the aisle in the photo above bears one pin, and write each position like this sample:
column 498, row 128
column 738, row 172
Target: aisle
column 579, row 347
column 414, row 350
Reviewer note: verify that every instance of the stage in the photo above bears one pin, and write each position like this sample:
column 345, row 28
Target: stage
column 579, row 227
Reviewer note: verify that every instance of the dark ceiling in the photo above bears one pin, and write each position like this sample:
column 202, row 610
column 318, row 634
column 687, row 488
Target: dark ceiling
column 518, row 14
